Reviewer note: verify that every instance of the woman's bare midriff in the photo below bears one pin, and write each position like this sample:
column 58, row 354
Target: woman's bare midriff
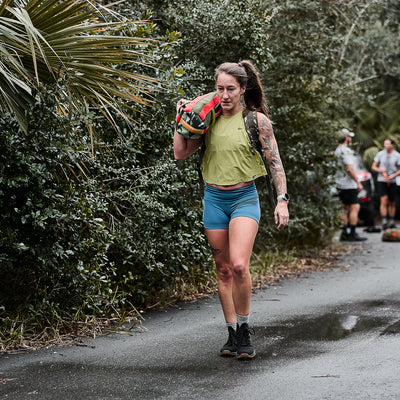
column 231, row 187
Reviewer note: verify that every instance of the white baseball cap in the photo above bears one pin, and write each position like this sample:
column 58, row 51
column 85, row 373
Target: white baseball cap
column 345, row 132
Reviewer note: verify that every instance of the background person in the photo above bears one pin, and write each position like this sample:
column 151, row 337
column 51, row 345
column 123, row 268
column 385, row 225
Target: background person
column 231, row 205
column 348, row 186
column 387, row 165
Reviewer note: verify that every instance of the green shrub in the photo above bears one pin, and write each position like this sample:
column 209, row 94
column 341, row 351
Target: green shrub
column 53, row 261
column 155, row 235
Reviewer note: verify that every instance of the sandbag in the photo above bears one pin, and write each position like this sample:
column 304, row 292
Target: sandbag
column 196, row 116
column 391, row 235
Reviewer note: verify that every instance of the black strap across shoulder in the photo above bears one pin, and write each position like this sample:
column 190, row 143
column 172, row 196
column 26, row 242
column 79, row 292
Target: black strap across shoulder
column 251, row 124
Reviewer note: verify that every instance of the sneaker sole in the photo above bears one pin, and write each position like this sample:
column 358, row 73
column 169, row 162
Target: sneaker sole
column 227, row 353
column 245, row 356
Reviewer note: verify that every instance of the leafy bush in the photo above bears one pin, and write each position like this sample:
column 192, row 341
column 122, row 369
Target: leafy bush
column 302, row 88
column 53, row 261
column 154, row 233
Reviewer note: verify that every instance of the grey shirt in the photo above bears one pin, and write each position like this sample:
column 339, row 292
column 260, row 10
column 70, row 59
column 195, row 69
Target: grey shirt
column 390, row 161
column 345, row 156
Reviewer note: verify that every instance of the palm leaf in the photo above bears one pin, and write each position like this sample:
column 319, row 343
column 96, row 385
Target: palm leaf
column 48, row 41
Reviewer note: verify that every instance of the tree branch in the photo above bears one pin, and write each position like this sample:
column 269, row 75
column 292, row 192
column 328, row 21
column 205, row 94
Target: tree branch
column 353, row 26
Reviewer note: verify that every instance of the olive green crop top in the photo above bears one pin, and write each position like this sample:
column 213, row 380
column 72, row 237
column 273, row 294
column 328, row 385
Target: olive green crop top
column 228, row 158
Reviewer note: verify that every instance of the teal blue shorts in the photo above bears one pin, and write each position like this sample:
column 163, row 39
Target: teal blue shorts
column 221, row 206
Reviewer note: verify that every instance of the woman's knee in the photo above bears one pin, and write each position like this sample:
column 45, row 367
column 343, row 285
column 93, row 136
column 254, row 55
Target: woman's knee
column 224, row 272
column 240, row 269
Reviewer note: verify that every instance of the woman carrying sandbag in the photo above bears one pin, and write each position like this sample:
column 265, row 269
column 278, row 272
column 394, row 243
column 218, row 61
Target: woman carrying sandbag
column 231, row 205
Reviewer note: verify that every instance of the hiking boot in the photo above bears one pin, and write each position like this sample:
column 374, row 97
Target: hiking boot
column 343, row 237
column 229, row 348
column 355, row 238
column 245, row 348
column 385, row 226
column 392, row 226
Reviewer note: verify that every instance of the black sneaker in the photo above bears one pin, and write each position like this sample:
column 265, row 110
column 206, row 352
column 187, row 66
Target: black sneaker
column 343, row 237
column 392, row 226
column 229, row 348
column 355, row 238
column 385, row 226
column 245, row 348
column 373, row 229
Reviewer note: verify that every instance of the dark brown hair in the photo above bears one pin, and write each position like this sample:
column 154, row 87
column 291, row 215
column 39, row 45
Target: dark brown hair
column 247, row 76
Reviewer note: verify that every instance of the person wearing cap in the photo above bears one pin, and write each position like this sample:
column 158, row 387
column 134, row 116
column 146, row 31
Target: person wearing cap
column 387, row 165
column 348, row 186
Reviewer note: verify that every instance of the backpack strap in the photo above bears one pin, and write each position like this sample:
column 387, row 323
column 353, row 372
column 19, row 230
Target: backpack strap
column 198, row 167
column 251, row 125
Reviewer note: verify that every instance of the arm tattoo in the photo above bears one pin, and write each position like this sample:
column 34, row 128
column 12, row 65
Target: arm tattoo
column 271, row 151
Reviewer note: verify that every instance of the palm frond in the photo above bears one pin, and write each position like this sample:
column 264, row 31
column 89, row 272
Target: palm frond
column 48, row 42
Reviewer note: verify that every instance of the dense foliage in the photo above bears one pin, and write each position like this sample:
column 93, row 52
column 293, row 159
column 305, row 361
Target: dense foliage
column 301, row 88
column 92, row 222
column 53, row 242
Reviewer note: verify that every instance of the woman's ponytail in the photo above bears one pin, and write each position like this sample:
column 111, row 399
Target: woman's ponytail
column 254, row 97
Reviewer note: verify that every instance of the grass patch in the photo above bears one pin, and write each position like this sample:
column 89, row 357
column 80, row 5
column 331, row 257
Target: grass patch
column 271, row 267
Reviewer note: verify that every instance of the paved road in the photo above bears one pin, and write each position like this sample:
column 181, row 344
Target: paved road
column 330, row 335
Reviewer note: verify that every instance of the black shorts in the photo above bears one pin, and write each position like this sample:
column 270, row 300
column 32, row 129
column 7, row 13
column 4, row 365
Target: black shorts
column 385, row 190
column 348, row 196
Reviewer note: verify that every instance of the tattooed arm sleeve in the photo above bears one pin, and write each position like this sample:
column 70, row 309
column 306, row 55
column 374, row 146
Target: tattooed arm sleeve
column 271, row 151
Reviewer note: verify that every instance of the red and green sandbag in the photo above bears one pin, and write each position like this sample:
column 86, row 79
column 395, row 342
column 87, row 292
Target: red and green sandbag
column 196, row 116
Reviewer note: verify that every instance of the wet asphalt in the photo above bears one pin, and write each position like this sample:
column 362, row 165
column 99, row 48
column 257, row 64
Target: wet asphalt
column 328, row 335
